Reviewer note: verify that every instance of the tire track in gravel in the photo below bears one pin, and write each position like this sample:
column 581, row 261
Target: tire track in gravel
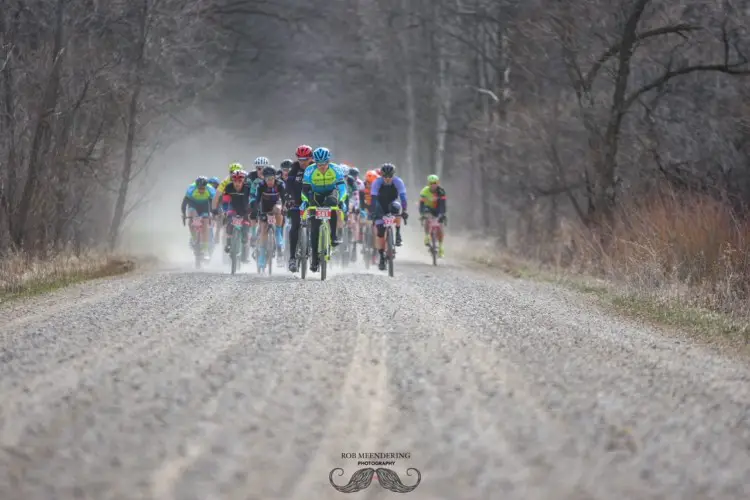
column 357, row 422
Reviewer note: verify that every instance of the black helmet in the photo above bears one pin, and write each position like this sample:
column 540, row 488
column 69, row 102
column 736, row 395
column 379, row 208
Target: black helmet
column 269, row 171
column 387, row 170
column 286, row 164
column 201, row 181
column 354, row 172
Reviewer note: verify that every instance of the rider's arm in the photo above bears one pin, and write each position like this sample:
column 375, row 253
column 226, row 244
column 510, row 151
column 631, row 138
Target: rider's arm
column 442, row 201
column 185, row 201
column 401, row 188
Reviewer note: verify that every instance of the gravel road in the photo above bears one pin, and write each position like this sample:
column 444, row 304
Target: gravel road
column 176, row 384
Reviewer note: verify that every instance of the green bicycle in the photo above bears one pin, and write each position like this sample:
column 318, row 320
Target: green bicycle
column 324, row 247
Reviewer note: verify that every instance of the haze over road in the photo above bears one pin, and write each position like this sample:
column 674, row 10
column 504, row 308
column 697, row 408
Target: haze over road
column 188, row 385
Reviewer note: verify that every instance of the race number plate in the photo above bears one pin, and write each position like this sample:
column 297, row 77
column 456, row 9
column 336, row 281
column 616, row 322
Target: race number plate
column 323, row 213
column 197, row 222
column 434, row 224
column 389, row 220
column 237, row 221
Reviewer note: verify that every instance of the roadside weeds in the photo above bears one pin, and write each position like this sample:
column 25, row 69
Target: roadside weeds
column 656, row 307
column 21, row 276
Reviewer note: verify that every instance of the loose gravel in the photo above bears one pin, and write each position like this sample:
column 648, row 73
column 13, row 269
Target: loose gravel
column 201, row 385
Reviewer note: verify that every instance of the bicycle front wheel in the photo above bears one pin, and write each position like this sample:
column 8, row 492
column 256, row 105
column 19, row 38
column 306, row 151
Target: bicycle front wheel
column 324, row 241
column 390, row 252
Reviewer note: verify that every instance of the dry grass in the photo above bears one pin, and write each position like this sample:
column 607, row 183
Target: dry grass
column 22, row 276
column 679, row 260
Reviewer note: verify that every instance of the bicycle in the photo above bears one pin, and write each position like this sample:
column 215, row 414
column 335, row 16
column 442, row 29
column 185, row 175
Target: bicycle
column 367, row 249
column 267, row 252
column 324, row 247
column 432, row 247
column 236, row 245
column 196, row 228
column 389, row 221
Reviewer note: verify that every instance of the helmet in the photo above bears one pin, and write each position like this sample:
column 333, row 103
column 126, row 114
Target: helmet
column 269, row 171
column 286, row 164
column 261, row 161
column 387, row 170
column 304, row 151
column 239, row 174
column 234, row 167
column 371, row 176
column 201, row 181
column 354, row 172
column 321, row 155
column 396, row 207
column 433, row 179
column 214, row 181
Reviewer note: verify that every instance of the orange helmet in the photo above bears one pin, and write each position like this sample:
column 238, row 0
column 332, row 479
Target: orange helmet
column 371, row 176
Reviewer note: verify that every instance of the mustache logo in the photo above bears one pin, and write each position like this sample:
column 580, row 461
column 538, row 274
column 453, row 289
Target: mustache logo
column 388, row 479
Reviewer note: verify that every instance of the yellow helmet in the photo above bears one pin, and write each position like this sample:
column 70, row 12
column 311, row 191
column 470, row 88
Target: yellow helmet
column 234, row 167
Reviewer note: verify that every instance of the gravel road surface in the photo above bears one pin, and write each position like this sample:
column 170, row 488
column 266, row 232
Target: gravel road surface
column 176, row 384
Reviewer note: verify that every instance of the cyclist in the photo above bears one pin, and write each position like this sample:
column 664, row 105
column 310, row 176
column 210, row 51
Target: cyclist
column 355, row 187
column 285, row 166
column 432, row 200
column 239, row 192
column 370, row 177
column 294, row 198
column 254, row 180
column 197, row 200
column 213, row 182
column 260, row 163
column 386, row 193
column 267, row 198
column 323, row 185
column 234, row 167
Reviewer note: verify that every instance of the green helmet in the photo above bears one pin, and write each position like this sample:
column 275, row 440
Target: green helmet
column 234, row 167
column 433, row 179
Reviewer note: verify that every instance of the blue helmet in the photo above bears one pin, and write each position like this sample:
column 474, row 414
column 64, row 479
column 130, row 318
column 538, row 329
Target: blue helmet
column 321, row 155
column 214, row 180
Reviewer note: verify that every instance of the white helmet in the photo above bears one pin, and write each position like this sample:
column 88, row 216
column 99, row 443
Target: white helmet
column 261, row 161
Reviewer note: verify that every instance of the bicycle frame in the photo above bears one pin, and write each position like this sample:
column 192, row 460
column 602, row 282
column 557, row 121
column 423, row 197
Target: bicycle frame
column 238, row 226
column 324, row 235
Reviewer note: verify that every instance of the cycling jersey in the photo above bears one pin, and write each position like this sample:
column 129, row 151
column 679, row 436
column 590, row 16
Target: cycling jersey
column 294, row 185
column 324, row 183
column 368, row 196
column 384, row 194
column 354, row 187
column 223, row 185
column 200, row 202
column 268, row 195
column 239, row 200
column 435, row 202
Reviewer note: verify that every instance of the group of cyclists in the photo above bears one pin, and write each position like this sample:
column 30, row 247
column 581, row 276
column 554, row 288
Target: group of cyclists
column 284, row 194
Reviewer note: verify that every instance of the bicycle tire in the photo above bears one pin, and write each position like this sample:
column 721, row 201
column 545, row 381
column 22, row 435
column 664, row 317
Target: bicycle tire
column 389, row 252
column 433, row 248
column 270, row 248
column 233, row 250
column 323, row 240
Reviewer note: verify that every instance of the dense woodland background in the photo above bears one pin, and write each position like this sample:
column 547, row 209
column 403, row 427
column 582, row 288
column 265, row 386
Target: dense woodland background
column 568, row 130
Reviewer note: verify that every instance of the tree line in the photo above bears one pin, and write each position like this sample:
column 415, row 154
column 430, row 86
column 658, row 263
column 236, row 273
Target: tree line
column 529, row 111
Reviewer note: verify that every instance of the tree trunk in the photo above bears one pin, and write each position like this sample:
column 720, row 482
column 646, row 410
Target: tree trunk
column 132, row 123
column 41, row 130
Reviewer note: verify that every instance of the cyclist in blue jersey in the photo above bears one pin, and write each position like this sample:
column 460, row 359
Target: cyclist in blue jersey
column 388, row 198
column 197, row 200
column 323, row 185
